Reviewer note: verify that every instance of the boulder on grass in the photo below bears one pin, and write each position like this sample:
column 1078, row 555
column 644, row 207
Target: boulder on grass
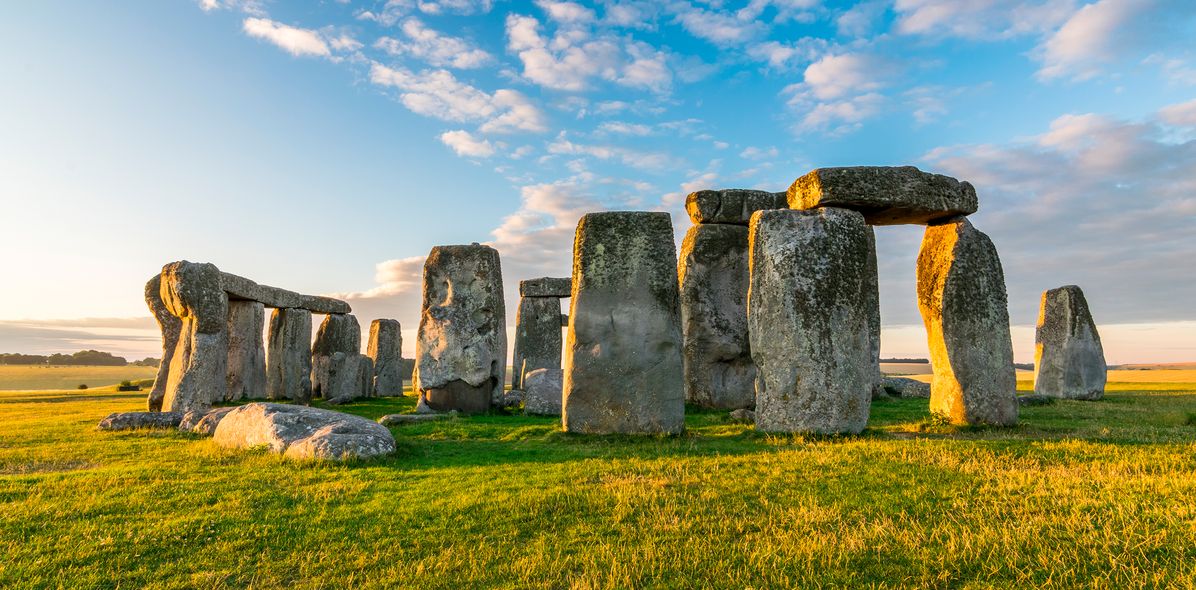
column 137, row 420
column 201, row 422
column 299, row 432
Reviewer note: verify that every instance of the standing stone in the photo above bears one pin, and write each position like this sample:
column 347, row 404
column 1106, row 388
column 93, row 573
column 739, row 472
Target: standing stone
column 386, row 349
column 961, row 294
column 170, row 326
column 198, row 367
column 716, row 357
column 537, row 337
column 872, row 294
column 346, row 376
column 885, row 195
column 288, row 362
column 246, row 353
column 808, row 318
column 461, row 345
column 1069, row 361
column 542, row 391
column 339, row 332
column 623, row 354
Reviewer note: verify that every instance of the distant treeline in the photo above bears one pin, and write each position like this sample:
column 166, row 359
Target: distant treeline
column 83, row 357
column 905, row 361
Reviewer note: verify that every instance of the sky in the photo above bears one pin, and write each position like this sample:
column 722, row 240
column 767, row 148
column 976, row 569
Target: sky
column 326, row 146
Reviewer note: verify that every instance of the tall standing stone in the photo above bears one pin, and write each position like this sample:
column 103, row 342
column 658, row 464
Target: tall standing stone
column 339, row 332
column 170, row 326
column 386, row 349
column 808, row 317
column 538, row 327
column 1069, row 361
column 288, row 361
column 198, row 367
column 461, row 344
column 716, row 356
column 961, row 294
column 623, row 353
column 246, row 353
column 871, row 290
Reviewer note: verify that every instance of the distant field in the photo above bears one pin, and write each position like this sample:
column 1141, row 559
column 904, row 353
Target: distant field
column 905, row 368
column 37, row 377
column 1158, row 366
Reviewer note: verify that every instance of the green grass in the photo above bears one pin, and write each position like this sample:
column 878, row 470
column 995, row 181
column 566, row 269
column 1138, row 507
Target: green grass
column 1081, row 494
column 25, row 377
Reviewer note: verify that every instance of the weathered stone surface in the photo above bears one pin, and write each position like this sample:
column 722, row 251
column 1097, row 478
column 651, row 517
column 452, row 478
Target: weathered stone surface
column 337, row 333
column 743, row 415
column 299, row 432
column 961, row 294
column 905, row 387
column 1035, row 399
column 137, row 420
column 344, row 377
column 871, row 290
column 401, row 419
column 537, row 337
column 546, row 287
column 542, row 391
column 386, row 349
column 243, row 288
column 246, row 352
column 808, row 319
column 170, row 326
column 461, row 345
column 885, row 195
column 198, row 367
column 623, row 354
column 1069, row 361
column 716, row 356
column 288, row 362
column 203, row 423
column 733, row 205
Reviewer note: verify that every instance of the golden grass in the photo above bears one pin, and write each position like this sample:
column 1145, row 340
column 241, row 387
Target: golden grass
column 25, row 378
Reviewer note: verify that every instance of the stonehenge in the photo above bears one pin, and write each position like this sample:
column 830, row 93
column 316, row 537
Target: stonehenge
column 885, row 195
column 338, row 370
column 622, row 365
column 385, row 349
column 542, row 391
column 288, row 362
column 461, row 344
column 246, row 377
column 538, row 326
column 1069, row 362
column 809, row 320
column 197, row 372
column 170, row 326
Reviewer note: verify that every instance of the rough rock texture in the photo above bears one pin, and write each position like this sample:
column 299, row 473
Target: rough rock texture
column 537, row 337
column 623, row 353
column 546, row 287
column 808, row 318
column 246, row 353
column 542, row 391
column 716, row 356
column 243, row 288
column 170, row 326
column 905, row 387
column 337, row 333
column 136, row 420
column 743, row 415
column 961, row 294
column 1035, row 399
column 300, row 432
column 198, row 367
column 288, row 362
column 871, row 291
column 401, row 419
column 731, row 205
column 203, row 423
column 386, row 349
column 1069, row 361
column 885, row 195
column 345, row 377
column 461, row 345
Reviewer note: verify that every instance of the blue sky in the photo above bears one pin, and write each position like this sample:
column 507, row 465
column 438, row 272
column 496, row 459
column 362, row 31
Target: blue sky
column 327, row 146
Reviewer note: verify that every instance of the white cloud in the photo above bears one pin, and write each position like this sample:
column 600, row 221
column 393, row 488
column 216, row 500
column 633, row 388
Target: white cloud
column 439, row 94
column 253, row 7
column 395, row 10
column 980, row 19
column 720, row 28
column 293, row 40
column 1179, row 115
column 464, row 7
column 840, row 91
column 629, row 157
column 434, row 47
column 786, row 10
column 465, row 144
column 835, row 76
column 780, row 55
column 622, row 128
column 633, row 14
column 755, row 153
column 859, row 20
column 566, row 12
column 1109, row 31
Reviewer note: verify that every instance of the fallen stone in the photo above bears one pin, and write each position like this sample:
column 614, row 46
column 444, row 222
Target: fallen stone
column 203, row 423
column 716, row 356
column 401, row 419
column 170, row 326
column 546, row 287
column 288, row 362
column 246, row 377
column 743, row 416
column 885, row 195
column 243, row 288
column 139, row 420
column 511, row 400
column 542, row 391
column 733, row 206
column 299, row 432
column 199, row 365
column 537, row 337
column 905, row 387
column 961, row 294
column 461, row 345
column 623, row 356
column 1069, row 361
column 808, row 319
column 386, row 349
column 1035, row 399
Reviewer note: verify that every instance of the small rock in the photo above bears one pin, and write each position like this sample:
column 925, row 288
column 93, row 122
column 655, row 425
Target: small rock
column 400, row 419
column 743, row 415
column 136, row 420
column 906, row 387
column 1035, row 399
column 542, row 393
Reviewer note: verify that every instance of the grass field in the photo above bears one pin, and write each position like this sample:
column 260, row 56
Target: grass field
column 20, row 377
column 1081, row 494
